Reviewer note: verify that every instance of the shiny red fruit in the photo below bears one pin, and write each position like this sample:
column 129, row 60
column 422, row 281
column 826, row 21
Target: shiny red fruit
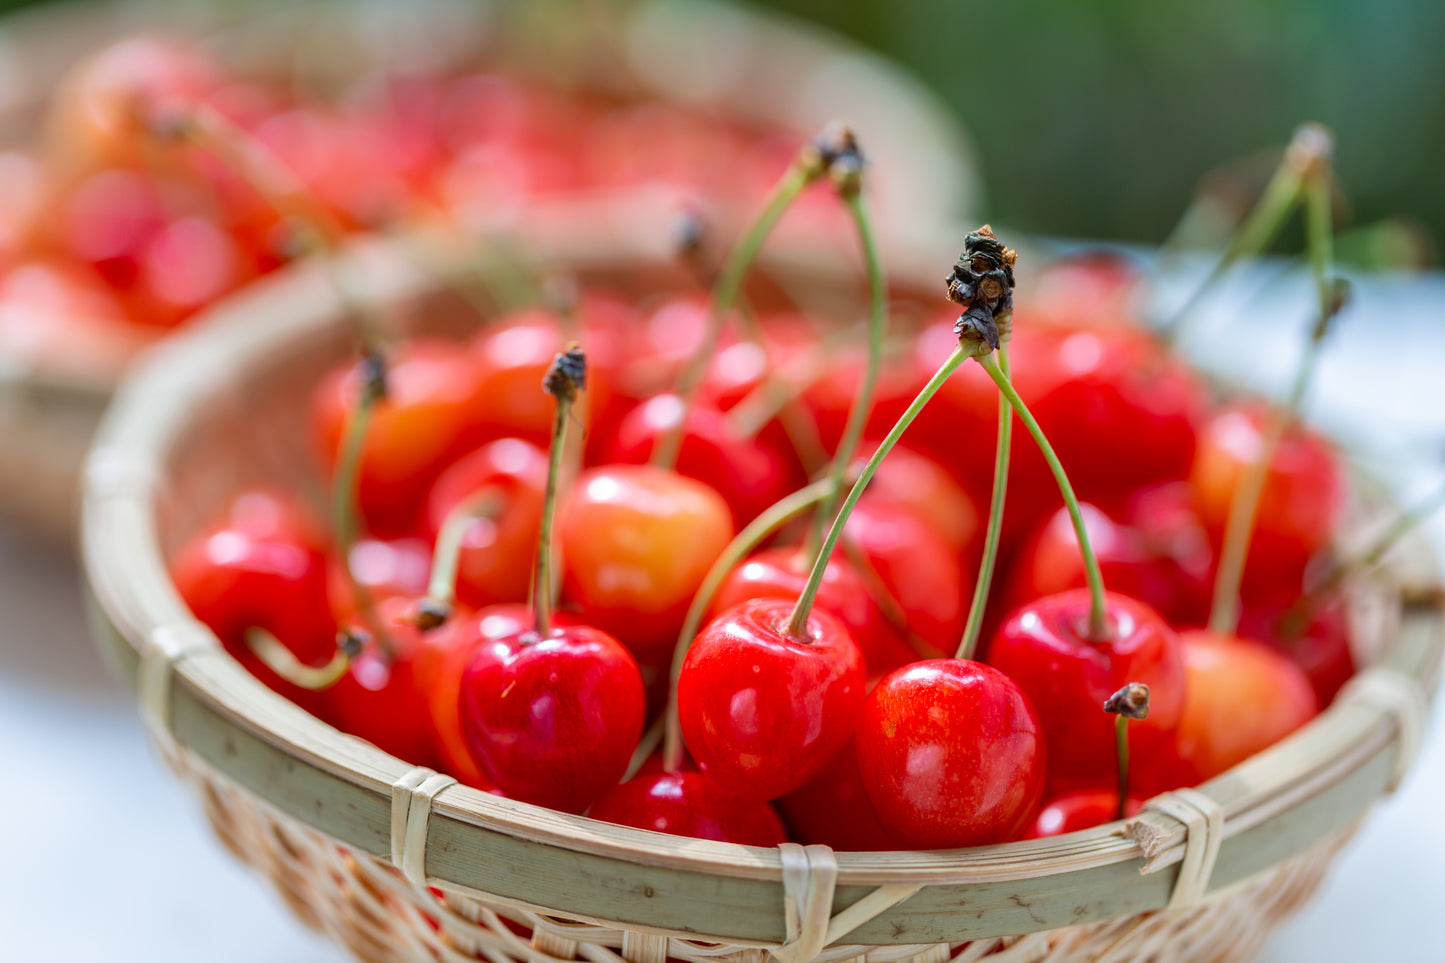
column 781, row 573
column 919, row 571
column 952, row 754
column 749, row 474
column 833, row 809
column 552, row 721
column 1302, row 501
column 1318, row 642
column 762, row 713
column 916, row 482
column 1076, row 811
column 495, row 563
column 689, row 804
column 385, row 568
column 637, row 542
column 1044, row 648
column 379, row 699
column 432, row 413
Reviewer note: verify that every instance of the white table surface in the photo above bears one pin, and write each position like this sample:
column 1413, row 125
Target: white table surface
column 141, row 878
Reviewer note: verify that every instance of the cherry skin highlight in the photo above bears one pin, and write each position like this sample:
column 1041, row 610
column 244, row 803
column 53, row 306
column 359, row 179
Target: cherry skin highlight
column 1081, row 810
column 552, row 720
column 689, row 804
column 762, row 713
column 952, row 754
column 1042, row 647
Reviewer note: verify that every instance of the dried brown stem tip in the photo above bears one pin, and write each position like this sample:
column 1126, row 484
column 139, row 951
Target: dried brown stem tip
column 834, row 153
column 568, row 374
column 982, row 281
column 430, row 613
column 373, row 377
column 1132, row 701
column 350, row 642
column 1310, row 150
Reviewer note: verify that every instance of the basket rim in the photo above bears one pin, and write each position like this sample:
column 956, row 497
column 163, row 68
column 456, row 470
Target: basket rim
column 1338, row 764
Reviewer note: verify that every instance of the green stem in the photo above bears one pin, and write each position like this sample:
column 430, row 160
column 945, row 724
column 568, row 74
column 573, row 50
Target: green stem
column 1098, row 628
column 1244, row 504
column 283, row 662
column 729, row 284
column 1257, row 233
column 742, row 545
column 994, row 531
column 862, row 405
column 798, row 621
column 542, row 593
column 1121, row 750
column 344, row 491
column 441, row 586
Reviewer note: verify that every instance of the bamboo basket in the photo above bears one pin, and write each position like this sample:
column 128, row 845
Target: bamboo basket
column 781, row 74
column 401, row 863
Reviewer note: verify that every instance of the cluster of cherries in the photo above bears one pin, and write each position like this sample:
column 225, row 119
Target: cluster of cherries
column 165, row 180
column 749, row 596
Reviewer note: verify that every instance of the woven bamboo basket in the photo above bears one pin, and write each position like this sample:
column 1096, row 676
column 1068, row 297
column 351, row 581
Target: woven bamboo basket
column 401, row 863
column 748, row 65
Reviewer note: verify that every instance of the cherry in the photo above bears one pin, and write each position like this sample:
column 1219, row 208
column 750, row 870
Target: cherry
column 432, row 412
column 1077, row 811
column 917, row 569
column 782, row 573
column 637, row 542
column 383, row 568
column 689, row 804
column 833, row 808
column 749, row 475
column 259, row 569
column 1317, row 641
column 764, row 710
column 1301, row 502
column 552, row 713
column 1242, row 698
column 496, row 551
column 917, row 483
column 1047, row 649
column 379, row 699
column 952, row 754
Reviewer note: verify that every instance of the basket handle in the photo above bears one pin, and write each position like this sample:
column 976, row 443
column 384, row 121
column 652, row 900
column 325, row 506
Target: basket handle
column 810, row 875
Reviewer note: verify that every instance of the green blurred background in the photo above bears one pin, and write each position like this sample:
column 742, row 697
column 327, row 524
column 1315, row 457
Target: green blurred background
column 1098, row 118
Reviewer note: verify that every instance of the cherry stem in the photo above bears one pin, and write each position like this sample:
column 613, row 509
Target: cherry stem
column 797, row 626
column 754, row 534
column 1406, row 522
column 1099, row 628
column 542, row 591
column 862, row 405
column 993, row 533
column 441, row 590
column 651, row 737
column 344, row 493
column 1257, row 232
column 1130, row 702
column 1244, row 504
column 284, row 663
column 725, row 292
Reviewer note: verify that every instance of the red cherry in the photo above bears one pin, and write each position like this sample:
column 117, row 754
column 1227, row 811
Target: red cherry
column 1050, row 563
column 1302, row 501
column 496, row 554
column 833, row 808
column 637, row 542
column 762, row 713
column 1165, row 518
column 1242, row 699
column 249, row 573
column 749, row 475
column 689, row 804
column 1077, row 811
column 379, row 699
column 952, row 754
column 918, row 483
column 432, row 413
column 1044, row 649
column 552, row 720
column 781, row 573
column 1319, row 643
column 398, row 567
column 917, row 568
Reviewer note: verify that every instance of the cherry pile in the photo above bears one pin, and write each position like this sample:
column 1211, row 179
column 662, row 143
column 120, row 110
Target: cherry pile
column 121, row 223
